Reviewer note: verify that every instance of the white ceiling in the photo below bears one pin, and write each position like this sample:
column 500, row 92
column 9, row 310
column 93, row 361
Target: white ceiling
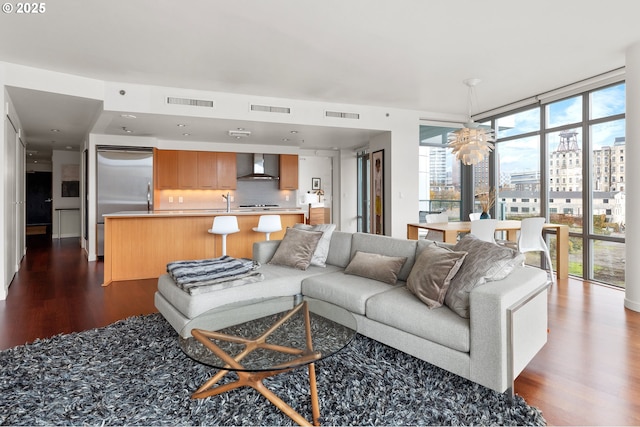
column 411, row 54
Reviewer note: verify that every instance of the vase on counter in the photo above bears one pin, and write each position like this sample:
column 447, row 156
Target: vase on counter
column 485, row 215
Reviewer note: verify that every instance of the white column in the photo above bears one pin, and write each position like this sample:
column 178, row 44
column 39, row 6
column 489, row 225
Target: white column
column 632, row 178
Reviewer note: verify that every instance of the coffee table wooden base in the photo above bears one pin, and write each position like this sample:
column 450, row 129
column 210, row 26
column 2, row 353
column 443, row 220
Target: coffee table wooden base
column 254, row 379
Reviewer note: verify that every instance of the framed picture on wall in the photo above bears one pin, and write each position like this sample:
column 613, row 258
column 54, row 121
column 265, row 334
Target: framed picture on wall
column 315, row 183
column 377, row 189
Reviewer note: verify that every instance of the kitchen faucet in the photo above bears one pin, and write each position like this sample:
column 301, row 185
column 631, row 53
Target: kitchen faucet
column 149, row 197
column 228, row 199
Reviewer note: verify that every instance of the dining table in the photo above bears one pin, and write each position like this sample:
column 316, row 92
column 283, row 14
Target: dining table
column 451, row 231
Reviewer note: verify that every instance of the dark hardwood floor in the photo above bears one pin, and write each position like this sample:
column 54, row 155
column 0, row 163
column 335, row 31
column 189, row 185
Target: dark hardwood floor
column 587, row 374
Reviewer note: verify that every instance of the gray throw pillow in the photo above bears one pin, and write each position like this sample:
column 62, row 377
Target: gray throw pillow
column 432, row 273
column 296, row 248
column 375, row 266
column 485, row 262
column 319, row 257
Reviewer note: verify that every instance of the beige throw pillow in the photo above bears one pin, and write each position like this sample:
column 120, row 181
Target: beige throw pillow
column 296, row 248
column 432, row 273
column 319, row 257
column 375, row 266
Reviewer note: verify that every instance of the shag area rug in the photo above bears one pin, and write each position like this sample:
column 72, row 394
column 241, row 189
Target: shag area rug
column 133, row 373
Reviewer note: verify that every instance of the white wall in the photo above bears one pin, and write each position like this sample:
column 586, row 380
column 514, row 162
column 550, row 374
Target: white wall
column 632, row 244
column 403, row 184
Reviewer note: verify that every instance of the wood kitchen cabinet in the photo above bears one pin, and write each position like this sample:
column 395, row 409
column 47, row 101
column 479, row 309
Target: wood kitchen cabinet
column 165, row 169
column 226, row 171
column 207, row 170
column 194, row 170
column 288, row 171
column 187, row 169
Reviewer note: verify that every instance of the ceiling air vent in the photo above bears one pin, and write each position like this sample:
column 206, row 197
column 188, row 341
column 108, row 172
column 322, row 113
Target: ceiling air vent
column 270, row 109
column 190, row 102
column 341, row 115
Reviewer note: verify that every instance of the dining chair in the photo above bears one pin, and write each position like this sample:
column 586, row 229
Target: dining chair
column 437, row 236
column 485, row 229
column 530, row 239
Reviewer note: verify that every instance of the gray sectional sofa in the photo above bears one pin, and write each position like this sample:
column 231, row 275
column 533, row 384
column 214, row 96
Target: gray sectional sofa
column 506, row 327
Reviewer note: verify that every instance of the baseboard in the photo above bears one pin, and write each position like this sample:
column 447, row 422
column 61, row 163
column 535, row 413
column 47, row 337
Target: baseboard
column 632, row 305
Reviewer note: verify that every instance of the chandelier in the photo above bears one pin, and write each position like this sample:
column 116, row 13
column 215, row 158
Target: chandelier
column 472, row 143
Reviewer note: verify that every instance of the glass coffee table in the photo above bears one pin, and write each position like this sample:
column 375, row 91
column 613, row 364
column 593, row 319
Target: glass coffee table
column 263, row 338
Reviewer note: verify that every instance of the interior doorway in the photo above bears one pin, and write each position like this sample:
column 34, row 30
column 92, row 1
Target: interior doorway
column 39, row 203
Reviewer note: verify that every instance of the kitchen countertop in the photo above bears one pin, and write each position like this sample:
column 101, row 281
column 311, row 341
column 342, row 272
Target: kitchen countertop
column 205, row 212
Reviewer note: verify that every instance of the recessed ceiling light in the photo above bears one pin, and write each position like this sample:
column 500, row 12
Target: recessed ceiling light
column 285, row 139
column 127, row 130
column 181, row 125
column 186, row 134
column 69, row 147
column 55, row 130
column 294, row 132
column 128, row 116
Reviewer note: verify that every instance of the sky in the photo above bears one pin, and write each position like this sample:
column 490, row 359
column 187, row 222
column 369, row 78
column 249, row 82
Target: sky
column 523, row 154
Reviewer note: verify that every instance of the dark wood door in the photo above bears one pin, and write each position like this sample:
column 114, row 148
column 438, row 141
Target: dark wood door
column 38, row 198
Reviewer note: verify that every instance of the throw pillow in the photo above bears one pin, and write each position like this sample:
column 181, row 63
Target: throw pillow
column 432, row 273
column 319, row 257
column 485, row 261
column 375, row 266
column 296, row 248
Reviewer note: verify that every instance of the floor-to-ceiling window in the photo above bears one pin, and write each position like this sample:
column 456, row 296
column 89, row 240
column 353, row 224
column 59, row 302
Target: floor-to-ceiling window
column 564, row 160
column 517, row 160
column 607, row 140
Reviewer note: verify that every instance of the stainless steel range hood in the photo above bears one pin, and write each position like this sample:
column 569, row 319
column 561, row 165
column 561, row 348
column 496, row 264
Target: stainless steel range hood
column 258, row 170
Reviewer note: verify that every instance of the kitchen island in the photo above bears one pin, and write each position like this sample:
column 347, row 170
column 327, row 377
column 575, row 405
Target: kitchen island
column 139, row 244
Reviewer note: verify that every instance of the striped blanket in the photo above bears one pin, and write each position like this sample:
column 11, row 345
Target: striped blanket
column 206, row 275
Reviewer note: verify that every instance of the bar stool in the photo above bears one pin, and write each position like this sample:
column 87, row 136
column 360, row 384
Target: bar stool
column 224, row 225
column 268, row 224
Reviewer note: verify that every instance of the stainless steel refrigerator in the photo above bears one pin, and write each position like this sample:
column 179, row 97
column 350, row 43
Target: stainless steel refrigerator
column 124, row 183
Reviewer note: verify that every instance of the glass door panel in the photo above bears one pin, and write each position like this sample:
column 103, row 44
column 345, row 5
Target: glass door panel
column 439, row 180
column 364, row 192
